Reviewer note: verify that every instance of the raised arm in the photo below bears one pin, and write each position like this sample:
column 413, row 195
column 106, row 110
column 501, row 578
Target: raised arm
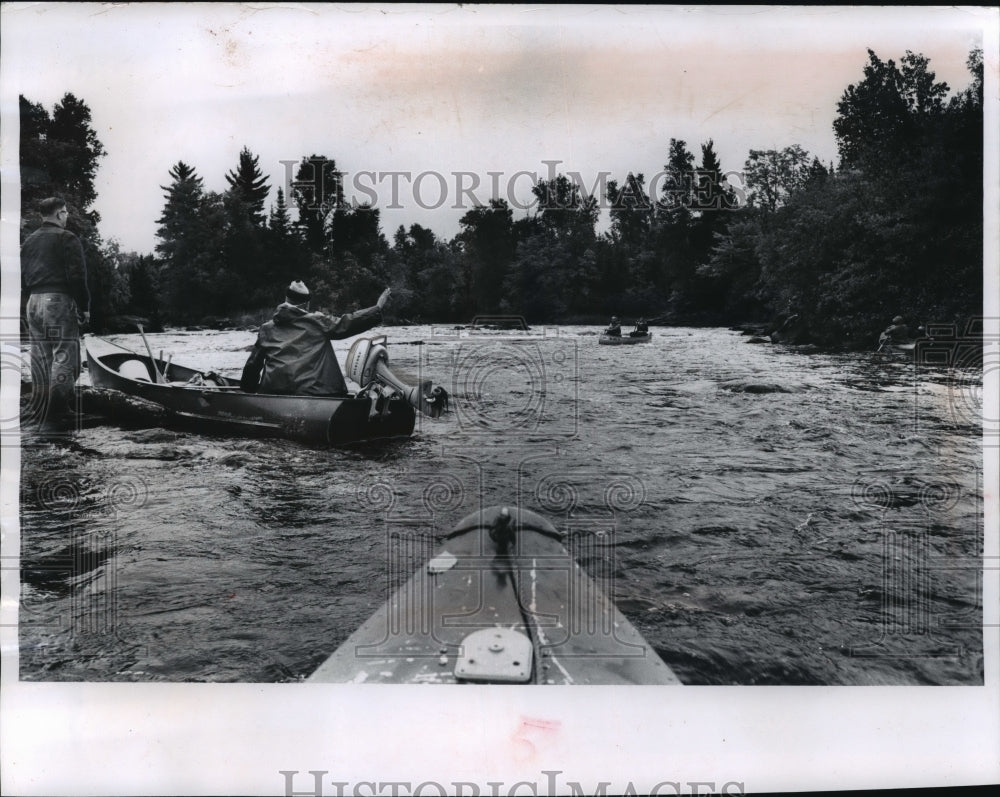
column 358, row 321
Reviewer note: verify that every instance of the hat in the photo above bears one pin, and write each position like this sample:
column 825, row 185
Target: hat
column 898, row 320
column 298, row 292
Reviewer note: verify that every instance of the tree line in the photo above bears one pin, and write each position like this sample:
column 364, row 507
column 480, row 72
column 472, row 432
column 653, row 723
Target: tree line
column 895, row 227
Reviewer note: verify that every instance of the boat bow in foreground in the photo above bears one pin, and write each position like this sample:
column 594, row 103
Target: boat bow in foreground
column 501, row 601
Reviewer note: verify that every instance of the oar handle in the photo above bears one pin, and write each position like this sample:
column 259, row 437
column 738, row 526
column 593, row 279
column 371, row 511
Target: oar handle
column 159, row 379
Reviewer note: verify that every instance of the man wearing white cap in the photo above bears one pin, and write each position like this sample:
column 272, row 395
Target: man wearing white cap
column 293, row 354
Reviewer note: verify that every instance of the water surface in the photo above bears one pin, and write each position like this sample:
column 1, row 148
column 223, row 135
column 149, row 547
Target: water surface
column 763, row 515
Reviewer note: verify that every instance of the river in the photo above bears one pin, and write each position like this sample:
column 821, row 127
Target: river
column 762, row 514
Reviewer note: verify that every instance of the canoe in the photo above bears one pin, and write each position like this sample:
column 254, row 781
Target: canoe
column 501, row 601
column 216, row 403
column 624, row 340
column 886, row 347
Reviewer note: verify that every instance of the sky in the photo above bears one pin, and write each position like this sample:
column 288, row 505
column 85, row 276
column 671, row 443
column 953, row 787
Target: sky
column 500, row 93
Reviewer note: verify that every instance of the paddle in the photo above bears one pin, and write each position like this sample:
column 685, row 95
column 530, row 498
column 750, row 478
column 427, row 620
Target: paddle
column 159, row 379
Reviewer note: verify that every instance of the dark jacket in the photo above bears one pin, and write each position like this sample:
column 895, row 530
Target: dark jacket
column 295, row 354
column 52, row 261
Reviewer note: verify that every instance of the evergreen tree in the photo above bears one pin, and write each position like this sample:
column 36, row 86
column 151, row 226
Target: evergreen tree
column 279, row 220
column 712, row 202
column 244, row 231
column 817, row 171
column 631, row 212
column 183, row 197
column 285, row 255
column 677, row 190
column 242, row 255
column 249, row 186
column 625, row 258
column 317, row 191
column 193, row 273
column 675, row 258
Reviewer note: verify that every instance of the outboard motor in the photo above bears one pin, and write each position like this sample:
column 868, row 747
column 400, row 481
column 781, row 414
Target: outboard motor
column 368, row 362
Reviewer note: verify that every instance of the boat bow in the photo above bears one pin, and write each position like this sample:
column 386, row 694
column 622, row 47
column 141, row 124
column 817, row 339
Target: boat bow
column 502, row 601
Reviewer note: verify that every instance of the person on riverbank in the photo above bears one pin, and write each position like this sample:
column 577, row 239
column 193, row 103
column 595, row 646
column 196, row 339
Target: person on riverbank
column 54, row 279
column 614, row 329
column 788, row 331
column 897, row 332
column 293, row 355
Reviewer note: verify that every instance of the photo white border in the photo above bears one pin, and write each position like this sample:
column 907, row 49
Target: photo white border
column 77, row 739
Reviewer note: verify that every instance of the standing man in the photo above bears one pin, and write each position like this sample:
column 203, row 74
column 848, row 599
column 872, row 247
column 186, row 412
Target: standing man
column 293, row 350
column 54, row 277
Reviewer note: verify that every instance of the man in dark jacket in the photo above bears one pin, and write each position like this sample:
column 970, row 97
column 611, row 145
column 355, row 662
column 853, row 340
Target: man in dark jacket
column 293, row 350
column 54, row 278
column 897, row 332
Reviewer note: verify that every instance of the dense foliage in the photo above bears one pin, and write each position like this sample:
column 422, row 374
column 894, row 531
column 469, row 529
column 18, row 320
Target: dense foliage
column 894, row 228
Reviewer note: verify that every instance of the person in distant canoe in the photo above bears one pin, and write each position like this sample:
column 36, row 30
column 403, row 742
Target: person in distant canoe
column 614, row 329
column 895, row 333
column 293, row 354
column 641, row 329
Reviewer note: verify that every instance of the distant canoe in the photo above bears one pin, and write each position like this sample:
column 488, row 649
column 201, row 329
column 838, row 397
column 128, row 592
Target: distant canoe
column 624, row 340
column 903, row 347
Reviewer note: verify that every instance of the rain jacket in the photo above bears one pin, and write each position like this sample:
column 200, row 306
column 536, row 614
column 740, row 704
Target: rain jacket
column 52, row 261
column 295, row 354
